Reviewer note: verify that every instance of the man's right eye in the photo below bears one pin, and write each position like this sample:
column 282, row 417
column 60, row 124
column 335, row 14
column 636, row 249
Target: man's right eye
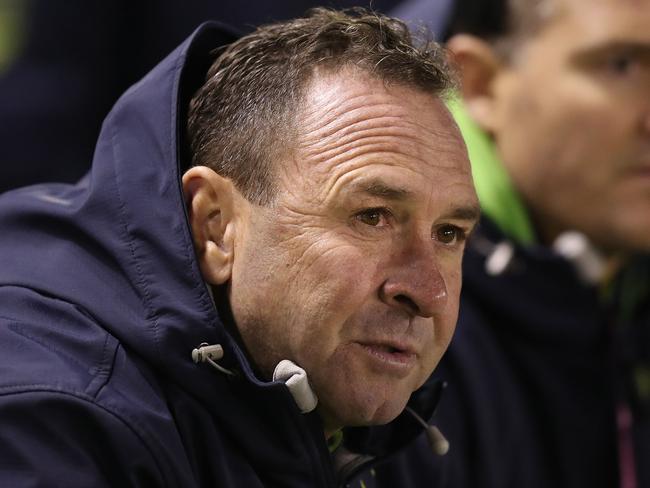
column 621, row 64
column 374, row 217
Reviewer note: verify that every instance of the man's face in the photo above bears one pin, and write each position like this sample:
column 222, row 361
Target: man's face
column 573, row 122
column 354, row 272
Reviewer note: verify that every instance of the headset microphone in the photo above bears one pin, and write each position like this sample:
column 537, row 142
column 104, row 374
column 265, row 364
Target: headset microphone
column 438, row 443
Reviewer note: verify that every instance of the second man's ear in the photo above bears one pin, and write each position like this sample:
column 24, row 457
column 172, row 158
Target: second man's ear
column 479, row 67
column 211, row 208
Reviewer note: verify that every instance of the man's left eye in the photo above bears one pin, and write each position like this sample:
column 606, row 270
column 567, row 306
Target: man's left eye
column 450, row 234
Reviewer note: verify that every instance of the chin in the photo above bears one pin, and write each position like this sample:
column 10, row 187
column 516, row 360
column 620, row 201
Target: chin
column 629, row 242
column 640, row 242
column 387, row 412
column 363, row 408
column 627, row 231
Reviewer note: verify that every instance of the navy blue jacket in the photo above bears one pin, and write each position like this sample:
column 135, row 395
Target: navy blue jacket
column 535, row 372
column 101, row 305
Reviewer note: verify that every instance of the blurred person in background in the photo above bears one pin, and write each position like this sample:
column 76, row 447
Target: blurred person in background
column 63, row 64
column 549, row 371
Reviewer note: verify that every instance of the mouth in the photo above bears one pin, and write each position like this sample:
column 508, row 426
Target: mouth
column 390, row 357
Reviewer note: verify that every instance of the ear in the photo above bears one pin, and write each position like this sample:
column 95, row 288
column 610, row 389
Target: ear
column 479, row 67
column 210, row 204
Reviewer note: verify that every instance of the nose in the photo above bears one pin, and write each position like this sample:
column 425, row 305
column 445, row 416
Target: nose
column 416, row 284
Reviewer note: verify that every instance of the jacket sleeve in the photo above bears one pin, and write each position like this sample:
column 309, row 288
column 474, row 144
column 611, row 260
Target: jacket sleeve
column 53, row 438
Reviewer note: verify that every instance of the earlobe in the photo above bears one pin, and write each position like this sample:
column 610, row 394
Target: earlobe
column 479, row 67
column 209, row 200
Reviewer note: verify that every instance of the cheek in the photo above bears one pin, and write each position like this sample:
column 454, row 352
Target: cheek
column 330, row 290
column 584, row 140
column 563, row 142
column 303, row 288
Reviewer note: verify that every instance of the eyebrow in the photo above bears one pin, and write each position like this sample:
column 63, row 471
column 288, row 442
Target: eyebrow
column 378, row 188
column 637, row 49
column 470, row 213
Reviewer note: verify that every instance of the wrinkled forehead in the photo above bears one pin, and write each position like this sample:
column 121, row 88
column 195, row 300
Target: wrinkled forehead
column 338, row 104
column 616, row 16
column 352, row 124
column 352, row 108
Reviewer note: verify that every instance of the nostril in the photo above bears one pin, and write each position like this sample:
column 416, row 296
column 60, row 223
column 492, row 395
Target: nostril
column 409, row 303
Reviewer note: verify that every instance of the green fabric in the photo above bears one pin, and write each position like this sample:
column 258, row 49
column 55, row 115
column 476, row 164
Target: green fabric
column 499, row 200
column 12, row 19
column 335, row 440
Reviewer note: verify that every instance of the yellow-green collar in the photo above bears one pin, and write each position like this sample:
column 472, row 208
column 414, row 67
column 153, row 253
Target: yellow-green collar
column 499, row 199
column 335, row 440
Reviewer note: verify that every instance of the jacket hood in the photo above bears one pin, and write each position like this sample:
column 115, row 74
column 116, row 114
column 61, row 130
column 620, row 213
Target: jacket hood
column 118, row 244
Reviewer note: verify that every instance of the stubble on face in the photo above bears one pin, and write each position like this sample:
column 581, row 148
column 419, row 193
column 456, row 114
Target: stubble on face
column 309, row 285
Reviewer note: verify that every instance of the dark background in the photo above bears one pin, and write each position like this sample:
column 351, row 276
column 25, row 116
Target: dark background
column 71, row 60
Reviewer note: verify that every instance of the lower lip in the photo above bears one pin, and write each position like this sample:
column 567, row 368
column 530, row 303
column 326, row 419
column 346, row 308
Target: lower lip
column 397, row 362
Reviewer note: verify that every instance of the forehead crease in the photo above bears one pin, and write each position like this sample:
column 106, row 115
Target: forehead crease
column 340, row 175
column 358, row 181
column 346, row 117
column 387, row 149
column 365, row 139
column 380, row 128
column 413, row 185
column 349, row 127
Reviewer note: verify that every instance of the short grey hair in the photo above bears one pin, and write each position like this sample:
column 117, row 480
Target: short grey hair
column 241, row 121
